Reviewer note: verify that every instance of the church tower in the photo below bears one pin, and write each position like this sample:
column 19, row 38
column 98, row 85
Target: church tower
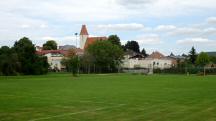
column 83, row 36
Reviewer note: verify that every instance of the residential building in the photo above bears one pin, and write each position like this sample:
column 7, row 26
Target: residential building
column 153, row 61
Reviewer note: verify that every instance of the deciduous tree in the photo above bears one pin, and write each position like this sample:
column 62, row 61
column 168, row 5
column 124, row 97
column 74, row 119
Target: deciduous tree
column 50, row 45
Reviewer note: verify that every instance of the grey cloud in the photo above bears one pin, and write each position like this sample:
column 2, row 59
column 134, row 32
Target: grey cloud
column 135, row 3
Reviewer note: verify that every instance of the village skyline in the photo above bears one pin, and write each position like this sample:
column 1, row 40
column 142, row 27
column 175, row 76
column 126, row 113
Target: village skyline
column 158, row 25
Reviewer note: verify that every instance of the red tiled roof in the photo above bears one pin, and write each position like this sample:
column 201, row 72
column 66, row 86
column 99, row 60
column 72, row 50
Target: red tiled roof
column 156, row 55
column 44, row 52
column 63, row 52
column 84, row 30
column 91, row 40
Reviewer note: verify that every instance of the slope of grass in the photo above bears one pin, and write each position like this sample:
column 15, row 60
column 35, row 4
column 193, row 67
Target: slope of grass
column 60, row 97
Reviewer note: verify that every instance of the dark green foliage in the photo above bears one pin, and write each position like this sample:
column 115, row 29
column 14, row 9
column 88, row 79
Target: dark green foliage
column 143, row 52
column 9, row 63
column 114, row 39
column 202, row 59
column 192, row 56
column 50, row 45
column 72, row 64
column 212, row 59
column 132, row 45
column 22, row 59
column 106, row 57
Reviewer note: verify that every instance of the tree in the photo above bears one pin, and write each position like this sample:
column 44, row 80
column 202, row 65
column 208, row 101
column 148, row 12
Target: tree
column 132, row 45
column 213, row 59
column 143, row 52
column 30, row 62
column 192, row 56
column 50, row 45
column 114, row 39
column 9, row 63
column 202, row 59
column 71, row 62
column 105, row 55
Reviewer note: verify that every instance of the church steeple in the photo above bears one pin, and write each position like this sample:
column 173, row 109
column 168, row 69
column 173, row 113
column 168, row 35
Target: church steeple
column 84, row 30
column 83, row 36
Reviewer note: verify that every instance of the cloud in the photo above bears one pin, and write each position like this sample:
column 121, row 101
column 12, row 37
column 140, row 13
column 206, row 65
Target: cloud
column 121, row 27
column 134, row 3
column 197, row 41
column 210, row 31
column 211, row 20
column 185, row 31
column 43, row 26
column 149, row 39
column 65, row 40
column 165, row 28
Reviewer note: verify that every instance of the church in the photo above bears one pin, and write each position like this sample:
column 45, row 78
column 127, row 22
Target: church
column 86, row 40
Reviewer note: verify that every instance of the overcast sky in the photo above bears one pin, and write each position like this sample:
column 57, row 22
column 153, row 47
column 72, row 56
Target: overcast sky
column 163, row 25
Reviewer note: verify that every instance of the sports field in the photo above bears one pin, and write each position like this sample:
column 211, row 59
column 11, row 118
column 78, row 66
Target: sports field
column 61, row 97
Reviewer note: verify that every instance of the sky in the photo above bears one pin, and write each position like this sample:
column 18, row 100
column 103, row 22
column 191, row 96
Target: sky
column 158, row 25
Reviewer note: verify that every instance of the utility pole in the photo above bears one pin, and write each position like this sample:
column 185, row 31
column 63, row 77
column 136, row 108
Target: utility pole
column 76, row 34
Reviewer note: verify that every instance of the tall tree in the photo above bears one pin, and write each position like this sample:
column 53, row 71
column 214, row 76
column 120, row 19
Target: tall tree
column 202, row 59
column 105, row 55
column 114, row 39
column 193, row 55
column 9, row 63
column 143, row 52
column 31, row 64
column 71, row 62
column 213, row 59
column 133, row 45
column 50, row 45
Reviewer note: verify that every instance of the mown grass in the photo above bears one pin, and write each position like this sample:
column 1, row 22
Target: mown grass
column 116, row 97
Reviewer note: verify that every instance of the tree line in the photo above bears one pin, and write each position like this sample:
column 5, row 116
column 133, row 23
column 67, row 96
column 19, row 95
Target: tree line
column 194, row 63
column 101, row 56
column 21, row 59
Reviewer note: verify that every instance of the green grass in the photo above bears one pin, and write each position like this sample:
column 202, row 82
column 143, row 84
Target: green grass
column 61, row 97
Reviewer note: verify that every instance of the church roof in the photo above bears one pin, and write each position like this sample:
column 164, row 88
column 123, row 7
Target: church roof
column 91, row 40
column 84, row 30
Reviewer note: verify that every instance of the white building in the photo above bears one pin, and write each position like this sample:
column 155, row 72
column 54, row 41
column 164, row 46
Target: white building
column 54, row 58
column 155, row 60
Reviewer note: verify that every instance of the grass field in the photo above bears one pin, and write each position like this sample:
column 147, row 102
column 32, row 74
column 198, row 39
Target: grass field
column 60, row 97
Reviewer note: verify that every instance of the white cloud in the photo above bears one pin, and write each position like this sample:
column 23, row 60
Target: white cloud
column 134, row 3
column 210, row 31
column 186, row 31
column 43, row 26
column 164, row 28
column 25, row 26
column 65, row 40
column 211, row 20
column 121, row 27
column 197, row 41
column 149, row 39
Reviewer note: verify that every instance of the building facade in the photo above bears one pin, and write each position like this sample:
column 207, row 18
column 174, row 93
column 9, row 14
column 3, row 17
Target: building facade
column 154, row 61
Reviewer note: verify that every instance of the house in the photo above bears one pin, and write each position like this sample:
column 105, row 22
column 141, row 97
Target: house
column 176, row 59
column 86, row 40
column 54, row 57
column 158, row 61
column 154, row 61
